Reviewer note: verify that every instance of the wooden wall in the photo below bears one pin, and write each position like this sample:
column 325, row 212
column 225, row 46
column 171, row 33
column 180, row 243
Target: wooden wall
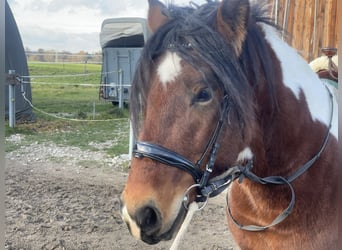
column 310, row 25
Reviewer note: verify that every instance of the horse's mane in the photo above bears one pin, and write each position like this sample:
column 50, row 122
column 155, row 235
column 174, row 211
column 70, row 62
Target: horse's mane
column 192, row 33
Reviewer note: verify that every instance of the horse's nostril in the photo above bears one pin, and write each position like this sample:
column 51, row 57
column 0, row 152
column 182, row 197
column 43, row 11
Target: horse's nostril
column 148, row 219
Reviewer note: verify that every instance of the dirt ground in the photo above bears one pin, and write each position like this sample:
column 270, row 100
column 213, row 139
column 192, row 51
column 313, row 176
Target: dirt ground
column 54, row 205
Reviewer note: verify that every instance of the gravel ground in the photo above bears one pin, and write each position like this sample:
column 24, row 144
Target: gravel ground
column 67, row 198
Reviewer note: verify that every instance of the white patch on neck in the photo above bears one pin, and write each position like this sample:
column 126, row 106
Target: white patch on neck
column 298, row 76
column 244, row 155
column 169, row 68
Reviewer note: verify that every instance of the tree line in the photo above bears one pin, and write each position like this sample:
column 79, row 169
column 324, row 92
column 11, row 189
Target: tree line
column 54, row 56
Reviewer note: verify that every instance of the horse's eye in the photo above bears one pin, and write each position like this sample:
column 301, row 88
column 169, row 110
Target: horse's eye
column 203, row 96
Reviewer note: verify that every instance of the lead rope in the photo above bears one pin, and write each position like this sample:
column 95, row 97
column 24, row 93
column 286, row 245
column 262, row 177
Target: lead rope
column 193, row 207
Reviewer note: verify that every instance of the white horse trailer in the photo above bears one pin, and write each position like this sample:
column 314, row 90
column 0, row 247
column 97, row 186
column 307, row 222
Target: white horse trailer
column 122, row 40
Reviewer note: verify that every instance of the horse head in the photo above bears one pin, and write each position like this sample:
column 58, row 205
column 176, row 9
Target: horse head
column 213, row 95
column 178, row 97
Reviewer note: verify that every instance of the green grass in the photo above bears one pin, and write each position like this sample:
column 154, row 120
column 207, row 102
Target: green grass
column 66, row 94
column 65, row 97
column 60, row 69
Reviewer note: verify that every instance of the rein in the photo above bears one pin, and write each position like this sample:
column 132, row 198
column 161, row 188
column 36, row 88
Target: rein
column 211, row 187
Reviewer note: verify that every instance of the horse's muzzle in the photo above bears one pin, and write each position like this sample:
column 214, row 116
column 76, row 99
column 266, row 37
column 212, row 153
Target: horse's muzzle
column 148, row 219
column 146, row 223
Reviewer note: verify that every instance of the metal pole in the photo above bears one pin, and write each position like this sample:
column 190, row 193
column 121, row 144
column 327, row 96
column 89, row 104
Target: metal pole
column 286, row 17
column 11, row 99
column 131, row 140
column 276, row 12
column 313, row 41
column 120, row 89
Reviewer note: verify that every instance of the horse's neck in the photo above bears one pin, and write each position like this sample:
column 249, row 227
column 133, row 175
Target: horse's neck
column 298, row 127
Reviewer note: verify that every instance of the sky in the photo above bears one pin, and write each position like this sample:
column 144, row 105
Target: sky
column 71, row 25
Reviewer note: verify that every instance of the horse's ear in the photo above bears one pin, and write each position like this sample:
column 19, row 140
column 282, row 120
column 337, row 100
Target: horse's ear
column 155, row 17
column 232, row 21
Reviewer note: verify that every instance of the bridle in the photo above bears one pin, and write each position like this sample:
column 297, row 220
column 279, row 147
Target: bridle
column 211, row 187
column 207, row 188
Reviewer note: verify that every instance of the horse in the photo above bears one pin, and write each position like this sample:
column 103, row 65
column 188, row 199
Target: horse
column 219, row 102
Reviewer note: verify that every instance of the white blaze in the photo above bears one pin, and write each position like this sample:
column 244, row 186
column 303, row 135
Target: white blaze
column 169, row 68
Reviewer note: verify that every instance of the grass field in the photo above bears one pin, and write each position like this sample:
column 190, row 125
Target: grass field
column 66, row 94
column 76, row 104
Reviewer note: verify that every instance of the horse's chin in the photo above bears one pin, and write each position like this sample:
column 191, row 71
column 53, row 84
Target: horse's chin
column 169, row 234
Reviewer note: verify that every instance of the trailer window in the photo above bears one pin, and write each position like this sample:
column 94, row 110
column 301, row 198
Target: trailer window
column 135, row 41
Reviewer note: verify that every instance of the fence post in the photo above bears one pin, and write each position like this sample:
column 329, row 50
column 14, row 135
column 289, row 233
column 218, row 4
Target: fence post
column 11, row 79
column 131, row 140
column 121, row 90
column 94, row 110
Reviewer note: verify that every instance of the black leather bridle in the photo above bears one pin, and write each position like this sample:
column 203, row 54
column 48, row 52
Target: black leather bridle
column 212, row 187
column 207, row 188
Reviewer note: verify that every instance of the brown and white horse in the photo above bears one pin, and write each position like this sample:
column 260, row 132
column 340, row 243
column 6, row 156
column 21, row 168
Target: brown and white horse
column 218, row 97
